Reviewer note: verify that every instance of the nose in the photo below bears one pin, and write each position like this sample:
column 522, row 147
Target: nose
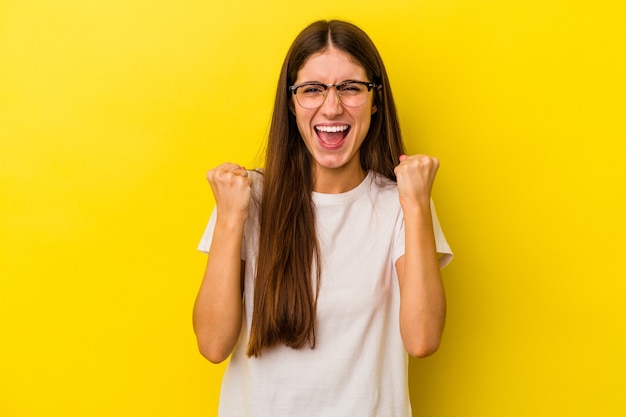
column 332, row 104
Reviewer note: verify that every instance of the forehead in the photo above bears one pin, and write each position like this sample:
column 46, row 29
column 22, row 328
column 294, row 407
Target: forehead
column 331, row 66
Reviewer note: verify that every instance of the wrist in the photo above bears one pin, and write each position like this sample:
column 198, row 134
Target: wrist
column 231, row 223
column 413, row 208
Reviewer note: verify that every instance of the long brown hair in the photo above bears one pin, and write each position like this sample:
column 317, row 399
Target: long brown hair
column 285, row 295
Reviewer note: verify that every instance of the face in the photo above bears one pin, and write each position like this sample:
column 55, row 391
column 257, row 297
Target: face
column 333, row 133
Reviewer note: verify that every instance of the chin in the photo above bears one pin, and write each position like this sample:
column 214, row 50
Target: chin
column 332, row 162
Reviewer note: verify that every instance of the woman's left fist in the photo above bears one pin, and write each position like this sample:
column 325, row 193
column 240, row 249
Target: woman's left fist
column 415, row 175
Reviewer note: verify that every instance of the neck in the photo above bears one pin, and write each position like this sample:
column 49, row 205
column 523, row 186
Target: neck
column 337, row 180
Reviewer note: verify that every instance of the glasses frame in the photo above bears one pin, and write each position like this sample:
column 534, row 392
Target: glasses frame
column 294, row 88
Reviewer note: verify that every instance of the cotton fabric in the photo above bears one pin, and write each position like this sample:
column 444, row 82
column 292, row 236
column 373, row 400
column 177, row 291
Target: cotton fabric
column 359, row 366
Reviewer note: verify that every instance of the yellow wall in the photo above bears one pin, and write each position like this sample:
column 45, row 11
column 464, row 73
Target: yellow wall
column 112, row 111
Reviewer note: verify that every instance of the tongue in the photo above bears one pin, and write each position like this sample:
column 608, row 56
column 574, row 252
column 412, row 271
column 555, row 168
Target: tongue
column 331, row 138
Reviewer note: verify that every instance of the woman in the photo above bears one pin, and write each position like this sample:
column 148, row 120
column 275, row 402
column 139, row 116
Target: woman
column 324, row 268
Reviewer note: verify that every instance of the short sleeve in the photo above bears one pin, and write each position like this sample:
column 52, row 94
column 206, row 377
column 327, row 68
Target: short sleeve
column 443, row 248
column 441, row 244
column 250, row 234
column 207, row 237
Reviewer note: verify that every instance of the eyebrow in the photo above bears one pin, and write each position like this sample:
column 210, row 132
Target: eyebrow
column 350, row 80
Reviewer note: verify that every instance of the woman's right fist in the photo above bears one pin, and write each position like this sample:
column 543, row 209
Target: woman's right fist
column 232, row 188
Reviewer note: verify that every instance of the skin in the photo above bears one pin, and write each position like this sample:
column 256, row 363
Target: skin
column 335, row 170
column 218, row 308
column 422, row 297
column 217, row 311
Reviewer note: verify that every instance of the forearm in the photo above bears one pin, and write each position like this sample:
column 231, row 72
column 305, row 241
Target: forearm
column 422, row 303
column 218, row 307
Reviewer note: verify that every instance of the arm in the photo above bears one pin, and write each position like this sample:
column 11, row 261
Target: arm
column 218, row 307
column 422, row 297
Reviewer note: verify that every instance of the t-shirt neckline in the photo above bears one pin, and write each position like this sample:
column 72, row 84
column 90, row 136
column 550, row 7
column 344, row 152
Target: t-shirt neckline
column 351, row 195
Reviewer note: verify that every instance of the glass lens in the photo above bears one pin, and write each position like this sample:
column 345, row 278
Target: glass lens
column 353, row 94
column 311, row 96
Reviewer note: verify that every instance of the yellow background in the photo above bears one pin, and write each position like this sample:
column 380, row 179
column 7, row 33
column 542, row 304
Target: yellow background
column 112, row 111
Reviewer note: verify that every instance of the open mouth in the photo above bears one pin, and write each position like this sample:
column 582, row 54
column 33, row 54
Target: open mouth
column 332, row 137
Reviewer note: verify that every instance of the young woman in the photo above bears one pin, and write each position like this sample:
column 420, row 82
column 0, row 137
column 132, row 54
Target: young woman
column 324, row 267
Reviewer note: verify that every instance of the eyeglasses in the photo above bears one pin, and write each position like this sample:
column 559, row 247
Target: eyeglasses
column 312, row 95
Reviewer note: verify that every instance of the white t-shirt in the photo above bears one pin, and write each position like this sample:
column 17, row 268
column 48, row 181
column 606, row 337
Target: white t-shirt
column 358, row 366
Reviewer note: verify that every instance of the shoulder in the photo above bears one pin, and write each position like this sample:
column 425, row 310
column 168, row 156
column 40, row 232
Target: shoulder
column 381, row 185
column 381, row 181
column 382, row 195
column 256, row 175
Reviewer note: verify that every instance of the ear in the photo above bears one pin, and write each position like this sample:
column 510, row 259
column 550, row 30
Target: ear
column 291, row 106
column 379, row 97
